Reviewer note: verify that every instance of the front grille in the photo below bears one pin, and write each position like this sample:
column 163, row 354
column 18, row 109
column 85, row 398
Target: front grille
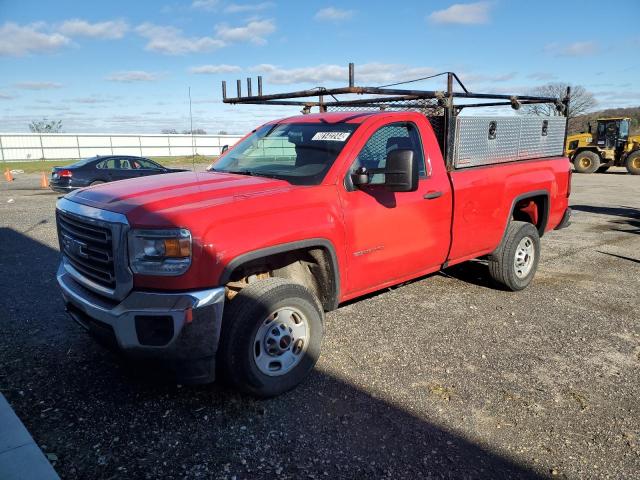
column 88, row 247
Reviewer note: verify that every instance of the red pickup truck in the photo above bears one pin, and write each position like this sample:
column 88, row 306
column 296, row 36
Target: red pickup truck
column 232, row 269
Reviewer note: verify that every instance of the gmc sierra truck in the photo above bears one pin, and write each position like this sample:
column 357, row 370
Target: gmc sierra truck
column 230, row 271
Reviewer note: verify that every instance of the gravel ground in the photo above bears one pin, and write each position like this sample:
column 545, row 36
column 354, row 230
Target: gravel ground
column 444, row 377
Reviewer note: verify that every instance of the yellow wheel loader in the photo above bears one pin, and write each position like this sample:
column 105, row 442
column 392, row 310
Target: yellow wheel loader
column 610, row 146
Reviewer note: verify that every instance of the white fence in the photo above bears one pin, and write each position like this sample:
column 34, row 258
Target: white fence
column 55, row 146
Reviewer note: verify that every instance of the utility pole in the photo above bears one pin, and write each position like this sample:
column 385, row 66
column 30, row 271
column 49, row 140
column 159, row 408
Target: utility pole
column 193, row 140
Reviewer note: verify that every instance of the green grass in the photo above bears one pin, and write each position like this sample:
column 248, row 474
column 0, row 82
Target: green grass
column 37, row 166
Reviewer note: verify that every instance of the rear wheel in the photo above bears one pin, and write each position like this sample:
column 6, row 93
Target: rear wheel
column 271, row 336
column 633, row 163
column 515, row 261
column 586, row 162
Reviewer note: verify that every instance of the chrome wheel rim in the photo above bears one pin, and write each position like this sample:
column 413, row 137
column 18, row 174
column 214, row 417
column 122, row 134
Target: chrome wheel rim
column 523, row 261
column 281, row 341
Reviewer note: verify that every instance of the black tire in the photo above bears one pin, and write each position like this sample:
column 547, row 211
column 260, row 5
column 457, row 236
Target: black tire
column 243, row 318
column 96, row 182
column 502, row 262
column 602, row 169
column 633, row 163
column 586, row 162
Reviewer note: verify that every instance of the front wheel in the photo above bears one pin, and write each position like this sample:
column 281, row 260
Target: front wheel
column 271, row 337
column 586, row 162
column 514, row 263
column 633, row 163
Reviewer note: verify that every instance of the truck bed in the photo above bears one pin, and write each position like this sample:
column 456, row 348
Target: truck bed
column 485, row 196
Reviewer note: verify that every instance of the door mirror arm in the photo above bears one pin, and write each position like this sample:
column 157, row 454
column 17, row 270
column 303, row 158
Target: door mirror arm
column 360, row 177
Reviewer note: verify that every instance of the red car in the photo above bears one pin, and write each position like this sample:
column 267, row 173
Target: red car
column 232, row 269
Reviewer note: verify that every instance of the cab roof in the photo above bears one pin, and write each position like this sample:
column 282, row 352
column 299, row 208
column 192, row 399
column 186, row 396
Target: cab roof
column 334, row 117
column 606, row 119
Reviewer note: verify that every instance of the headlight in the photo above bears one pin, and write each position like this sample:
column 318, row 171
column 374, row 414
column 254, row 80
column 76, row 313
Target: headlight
column 160, row 252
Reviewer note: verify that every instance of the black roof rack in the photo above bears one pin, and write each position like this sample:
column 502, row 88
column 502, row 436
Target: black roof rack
column 438, row 102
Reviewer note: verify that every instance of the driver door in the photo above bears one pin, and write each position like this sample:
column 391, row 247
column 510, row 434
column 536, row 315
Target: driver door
column 394, row 235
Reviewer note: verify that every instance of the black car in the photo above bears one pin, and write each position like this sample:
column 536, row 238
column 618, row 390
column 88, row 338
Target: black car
column 101, row 169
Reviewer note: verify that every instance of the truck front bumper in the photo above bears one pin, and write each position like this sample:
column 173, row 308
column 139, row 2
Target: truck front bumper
column 181, row 329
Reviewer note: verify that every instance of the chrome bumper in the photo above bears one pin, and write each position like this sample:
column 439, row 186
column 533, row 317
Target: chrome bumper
column 191, row 320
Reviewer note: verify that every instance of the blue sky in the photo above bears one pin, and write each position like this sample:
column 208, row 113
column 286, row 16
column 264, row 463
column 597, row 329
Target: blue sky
column 119, row 66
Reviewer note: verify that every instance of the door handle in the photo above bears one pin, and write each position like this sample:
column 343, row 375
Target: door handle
column 432, row 195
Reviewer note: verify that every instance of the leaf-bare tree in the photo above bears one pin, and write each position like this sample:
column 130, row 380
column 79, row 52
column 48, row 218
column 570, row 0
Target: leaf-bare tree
column 45, row 126
column 582, row 101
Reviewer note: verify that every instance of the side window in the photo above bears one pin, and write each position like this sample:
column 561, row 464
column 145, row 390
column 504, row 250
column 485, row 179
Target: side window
column 110, row 163
column 396, row 136
column 624, row 129
column 146, row 164
column 125, row 164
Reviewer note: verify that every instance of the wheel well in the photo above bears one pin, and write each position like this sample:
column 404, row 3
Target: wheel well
column 533, row 209
column 313, row 267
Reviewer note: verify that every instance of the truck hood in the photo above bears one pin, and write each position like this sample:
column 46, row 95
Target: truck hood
column 165, row 199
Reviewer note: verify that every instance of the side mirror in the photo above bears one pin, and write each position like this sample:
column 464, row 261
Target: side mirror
column 360, row 177
column 401, row 171
column 224, row 149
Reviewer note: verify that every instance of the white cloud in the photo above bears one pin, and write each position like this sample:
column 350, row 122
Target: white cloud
column 133, row 76
column 37, row 85
column 171, row 41
column 366, row 74
column 112, row 29
column 463, row 13
column 205, row 4
column 575, row 49
column 248, row 7
column 6, row 96
column 254, row 32
column 19, row 40
column 316, row 75
column 214, row 69
column 333, row 14
column 389, row 72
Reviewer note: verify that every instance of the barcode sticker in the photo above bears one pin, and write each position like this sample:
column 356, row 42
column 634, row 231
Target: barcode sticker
column 331, row 136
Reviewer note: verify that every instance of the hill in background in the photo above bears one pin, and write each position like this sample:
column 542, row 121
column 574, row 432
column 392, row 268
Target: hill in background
column 580, row 123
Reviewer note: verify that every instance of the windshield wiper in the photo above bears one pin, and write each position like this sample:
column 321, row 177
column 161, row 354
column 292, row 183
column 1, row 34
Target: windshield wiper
column 239, row 172
column 253, row 173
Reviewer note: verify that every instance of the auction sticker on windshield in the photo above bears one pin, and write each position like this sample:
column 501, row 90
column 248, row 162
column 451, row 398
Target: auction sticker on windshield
column 331, row 136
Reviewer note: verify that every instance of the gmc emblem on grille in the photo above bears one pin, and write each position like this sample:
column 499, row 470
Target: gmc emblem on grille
column 74, row 247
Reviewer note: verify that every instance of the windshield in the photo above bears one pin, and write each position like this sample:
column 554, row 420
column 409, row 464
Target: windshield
column 300, row 153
